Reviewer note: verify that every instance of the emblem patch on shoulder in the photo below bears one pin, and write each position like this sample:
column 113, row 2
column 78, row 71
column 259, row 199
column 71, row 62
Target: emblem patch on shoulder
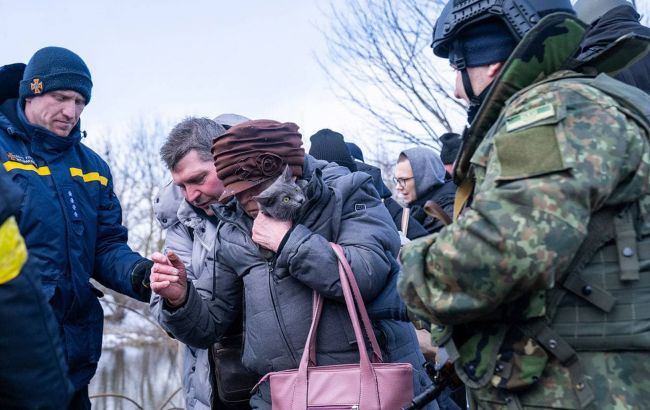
column 530, row 117
column 37, row 86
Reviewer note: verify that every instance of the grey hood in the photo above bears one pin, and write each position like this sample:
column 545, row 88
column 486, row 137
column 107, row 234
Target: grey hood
column 427, row 167
column 167, row 202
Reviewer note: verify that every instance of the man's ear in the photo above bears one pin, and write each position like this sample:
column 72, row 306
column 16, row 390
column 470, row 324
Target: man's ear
column 494, row 69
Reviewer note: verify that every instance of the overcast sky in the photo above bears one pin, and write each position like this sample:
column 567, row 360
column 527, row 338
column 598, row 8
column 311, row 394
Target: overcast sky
column 169, row 59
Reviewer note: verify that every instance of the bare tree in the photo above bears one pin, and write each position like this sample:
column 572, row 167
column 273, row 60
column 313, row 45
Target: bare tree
column 137, row 174
column 379, row 58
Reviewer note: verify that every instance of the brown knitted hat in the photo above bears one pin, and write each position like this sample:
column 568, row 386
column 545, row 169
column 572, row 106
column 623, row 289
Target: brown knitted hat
column 254, row 152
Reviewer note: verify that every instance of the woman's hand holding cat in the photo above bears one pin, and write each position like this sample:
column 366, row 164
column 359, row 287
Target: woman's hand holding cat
column 269, row 232
column 168, row 277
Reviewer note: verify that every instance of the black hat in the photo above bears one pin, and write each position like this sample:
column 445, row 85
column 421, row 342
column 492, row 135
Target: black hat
column 450, row 145
column 329, row 146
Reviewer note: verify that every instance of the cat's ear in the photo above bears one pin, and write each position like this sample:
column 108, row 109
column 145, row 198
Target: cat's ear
column 287, row 174
column 263, row 199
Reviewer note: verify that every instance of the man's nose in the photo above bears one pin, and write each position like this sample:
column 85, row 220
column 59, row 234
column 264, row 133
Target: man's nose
column 69, row 109
column 192, row 195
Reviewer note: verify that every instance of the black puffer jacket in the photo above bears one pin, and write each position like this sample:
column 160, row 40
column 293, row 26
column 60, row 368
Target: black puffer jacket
column 612, row 25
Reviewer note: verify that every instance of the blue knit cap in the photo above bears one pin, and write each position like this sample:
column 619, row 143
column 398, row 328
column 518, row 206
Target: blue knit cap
column 55, row 68
column 483, row 43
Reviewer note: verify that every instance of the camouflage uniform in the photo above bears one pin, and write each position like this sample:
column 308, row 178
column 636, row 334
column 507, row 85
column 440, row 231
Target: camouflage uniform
column 554, row 152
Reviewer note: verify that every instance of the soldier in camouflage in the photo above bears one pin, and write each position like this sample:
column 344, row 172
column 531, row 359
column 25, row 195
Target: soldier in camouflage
column 539, row 291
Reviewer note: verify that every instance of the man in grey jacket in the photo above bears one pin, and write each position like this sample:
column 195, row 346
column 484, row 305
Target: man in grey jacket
column 276, row 293
column 183, row 209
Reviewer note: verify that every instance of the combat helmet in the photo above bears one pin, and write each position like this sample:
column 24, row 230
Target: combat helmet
column 516, row 17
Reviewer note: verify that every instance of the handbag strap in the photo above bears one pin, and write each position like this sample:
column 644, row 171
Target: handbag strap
column 347, row 270
column 346, row 277
column 369, row 392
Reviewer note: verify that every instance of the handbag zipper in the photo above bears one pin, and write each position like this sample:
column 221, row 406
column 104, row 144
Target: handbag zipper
column 335, row 407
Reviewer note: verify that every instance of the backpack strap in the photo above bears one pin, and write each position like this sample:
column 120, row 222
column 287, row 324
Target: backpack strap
column 463, row 195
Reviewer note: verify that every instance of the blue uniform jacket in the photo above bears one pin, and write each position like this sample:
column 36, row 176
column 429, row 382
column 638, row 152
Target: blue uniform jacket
column 33, row 373
column 71, row 221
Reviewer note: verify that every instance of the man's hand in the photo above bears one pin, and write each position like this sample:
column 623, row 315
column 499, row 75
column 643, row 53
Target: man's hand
column 428, row 350
column 269, row 232
column 168, row 278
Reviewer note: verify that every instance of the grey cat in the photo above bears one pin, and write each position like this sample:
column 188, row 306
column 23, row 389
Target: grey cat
column 283, row 199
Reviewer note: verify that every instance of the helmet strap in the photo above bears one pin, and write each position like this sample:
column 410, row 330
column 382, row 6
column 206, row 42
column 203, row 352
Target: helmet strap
column 469, row 90
column 460, row 65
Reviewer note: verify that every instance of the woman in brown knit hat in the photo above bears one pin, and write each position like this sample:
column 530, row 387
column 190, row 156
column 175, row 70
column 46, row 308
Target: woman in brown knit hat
column 276, row 292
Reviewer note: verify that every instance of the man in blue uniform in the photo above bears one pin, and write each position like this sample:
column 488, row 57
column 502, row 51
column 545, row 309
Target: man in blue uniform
column 70, row 217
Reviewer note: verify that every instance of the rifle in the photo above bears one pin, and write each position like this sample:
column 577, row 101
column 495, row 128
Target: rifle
column 442, row 378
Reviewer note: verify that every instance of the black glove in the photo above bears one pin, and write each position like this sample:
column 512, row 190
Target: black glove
column 140, row 280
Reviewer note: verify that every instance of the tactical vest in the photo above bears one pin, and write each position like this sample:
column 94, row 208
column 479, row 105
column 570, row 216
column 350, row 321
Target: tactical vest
column 603, row 300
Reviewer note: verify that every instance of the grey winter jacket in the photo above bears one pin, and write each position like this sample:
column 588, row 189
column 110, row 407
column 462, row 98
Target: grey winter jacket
column 191, row 236
column 340, row 207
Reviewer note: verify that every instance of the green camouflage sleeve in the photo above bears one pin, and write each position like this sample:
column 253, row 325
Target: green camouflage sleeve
column 560, row 152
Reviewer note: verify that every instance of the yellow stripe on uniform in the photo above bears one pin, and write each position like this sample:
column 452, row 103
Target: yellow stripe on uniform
column 89, row 177
column 13, row 252
column 10, row 165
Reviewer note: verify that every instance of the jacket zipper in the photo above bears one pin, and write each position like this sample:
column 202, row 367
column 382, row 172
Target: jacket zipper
column 275, row 311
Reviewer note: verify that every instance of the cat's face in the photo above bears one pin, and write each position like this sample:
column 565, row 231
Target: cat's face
column 283, row 198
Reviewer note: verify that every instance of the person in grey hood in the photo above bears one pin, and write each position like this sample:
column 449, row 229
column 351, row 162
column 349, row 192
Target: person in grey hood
column 420, row 177
column 276, row 293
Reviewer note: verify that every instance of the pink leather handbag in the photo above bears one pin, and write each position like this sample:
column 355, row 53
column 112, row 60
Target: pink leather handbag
column 368, row 385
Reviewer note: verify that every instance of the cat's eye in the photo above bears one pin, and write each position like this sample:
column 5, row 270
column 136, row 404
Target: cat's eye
column 285, row 199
